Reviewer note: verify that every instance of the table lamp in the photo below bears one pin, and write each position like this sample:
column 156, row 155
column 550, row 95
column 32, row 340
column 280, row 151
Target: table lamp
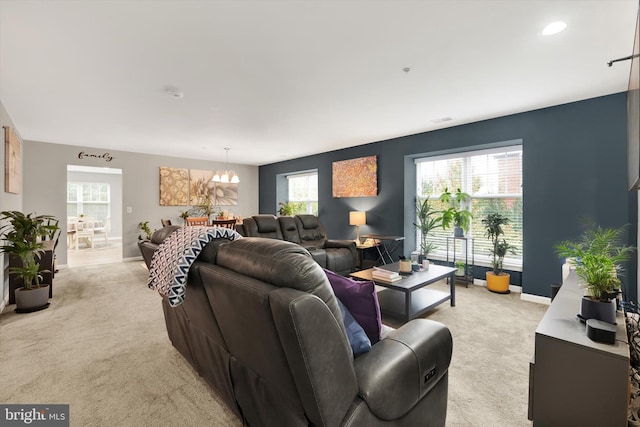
column 357, row 219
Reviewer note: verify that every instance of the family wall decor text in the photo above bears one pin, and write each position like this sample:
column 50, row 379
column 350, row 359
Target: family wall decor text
column 11, row 161
column 106, row 156
column 355, row 177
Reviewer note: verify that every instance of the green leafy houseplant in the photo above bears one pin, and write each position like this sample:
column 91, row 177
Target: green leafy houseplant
column 493, row 224
column 599, row 254
column 426, row 221
column 144, row 226
column 184, row 215
column 286, row 209
column 455, row 214
column 205, row 207
column 23, row 236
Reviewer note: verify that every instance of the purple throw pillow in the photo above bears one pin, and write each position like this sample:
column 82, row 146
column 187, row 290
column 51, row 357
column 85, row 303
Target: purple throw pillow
column 361, row 299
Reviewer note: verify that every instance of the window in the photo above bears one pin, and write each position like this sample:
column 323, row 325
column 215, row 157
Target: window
column 303, row 192
column 89, row 199
column 493, row 179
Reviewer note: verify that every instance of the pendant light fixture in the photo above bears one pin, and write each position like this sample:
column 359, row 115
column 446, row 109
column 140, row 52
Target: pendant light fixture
column 226, row 176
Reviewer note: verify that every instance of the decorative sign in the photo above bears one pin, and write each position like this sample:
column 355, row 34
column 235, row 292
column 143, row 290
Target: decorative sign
column 356, row 177
column 106, row 156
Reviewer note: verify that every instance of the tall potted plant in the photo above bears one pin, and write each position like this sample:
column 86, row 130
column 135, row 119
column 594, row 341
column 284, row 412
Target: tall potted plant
column 22, row 236
column 497, row 280
column 426, row 221
column 598, row 255
column 455, row 214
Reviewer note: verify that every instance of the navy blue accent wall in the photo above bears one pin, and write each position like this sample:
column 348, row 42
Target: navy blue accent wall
column 574, row 166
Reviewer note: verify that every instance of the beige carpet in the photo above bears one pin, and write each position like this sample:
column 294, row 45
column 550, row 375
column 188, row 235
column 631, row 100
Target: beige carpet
column 102, row 348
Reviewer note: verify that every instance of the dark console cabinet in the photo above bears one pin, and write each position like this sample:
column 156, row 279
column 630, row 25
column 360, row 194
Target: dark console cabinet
column 46, row 263
column 573, row 380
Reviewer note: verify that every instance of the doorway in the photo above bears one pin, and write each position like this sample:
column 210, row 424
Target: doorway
column 94, row 215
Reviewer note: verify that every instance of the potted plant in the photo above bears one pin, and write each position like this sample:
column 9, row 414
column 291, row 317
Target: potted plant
column 205, row 207
column 286, row 209
column 144, row 226
column 460, row 265
column 455, row 214
column 598, row 255
column 497, row 280
column 23, row 241
column 426, row 221
column 184, row 215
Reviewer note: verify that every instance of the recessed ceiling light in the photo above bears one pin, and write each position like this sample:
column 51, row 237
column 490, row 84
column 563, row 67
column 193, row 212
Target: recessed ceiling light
column 554, row 28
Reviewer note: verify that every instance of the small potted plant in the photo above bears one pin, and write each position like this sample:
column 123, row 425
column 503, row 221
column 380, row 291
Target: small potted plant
column 455, row 215
column 205, row 207
column 497, row 280
column 286, row 209
column 23, row 236
column 144, row 226
column 460, row 265
column 598, row 255
column 184, row 215
column 426, row 221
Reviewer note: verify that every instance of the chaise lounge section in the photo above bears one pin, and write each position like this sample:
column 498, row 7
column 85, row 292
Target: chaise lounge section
column 339, row 256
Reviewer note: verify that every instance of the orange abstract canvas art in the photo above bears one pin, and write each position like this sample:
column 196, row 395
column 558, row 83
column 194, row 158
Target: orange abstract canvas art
column 356, row 177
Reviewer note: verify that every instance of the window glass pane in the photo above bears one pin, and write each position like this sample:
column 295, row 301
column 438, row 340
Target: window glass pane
column 437, row 175
column 303, row 193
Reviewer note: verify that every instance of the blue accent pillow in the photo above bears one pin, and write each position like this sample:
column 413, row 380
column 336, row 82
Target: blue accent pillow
column 357, row 337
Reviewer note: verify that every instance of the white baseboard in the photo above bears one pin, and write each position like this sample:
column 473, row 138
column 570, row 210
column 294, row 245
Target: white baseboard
column 133, row 258
column 535, row 298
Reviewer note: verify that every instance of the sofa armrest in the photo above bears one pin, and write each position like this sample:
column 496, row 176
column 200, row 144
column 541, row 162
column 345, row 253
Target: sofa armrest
column 402, row 368
column 340, row 244
column 349, row 244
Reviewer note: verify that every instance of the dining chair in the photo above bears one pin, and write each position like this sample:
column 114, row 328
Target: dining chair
column 224, row 223
column 165, row 222
column 85, row 231
column 201, row 221
column 104, row 230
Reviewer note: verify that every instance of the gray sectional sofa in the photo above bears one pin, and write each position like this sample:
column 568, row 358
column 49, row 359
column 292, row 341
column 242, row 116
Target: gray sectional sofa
column 339, row 256
column 261, row 324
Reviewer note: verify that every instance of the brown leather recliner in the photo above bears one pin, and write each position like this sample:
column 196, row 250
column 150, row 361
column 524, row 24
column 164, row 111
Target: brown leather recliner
column 339, row 256
column 261, row 324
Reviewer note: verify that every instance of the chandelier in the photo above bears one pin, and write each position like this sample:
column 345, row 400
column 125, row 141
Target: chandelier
column 226, row 176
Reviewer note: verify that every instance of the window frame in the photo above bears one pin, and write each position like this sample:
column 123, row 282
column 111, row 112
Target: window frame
column 482, row 257
column 309, row 202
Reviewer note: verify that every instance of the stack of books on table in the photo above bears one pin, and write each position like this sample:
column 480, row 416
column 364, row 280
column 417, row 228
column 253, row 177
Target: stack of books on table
column 383, row 275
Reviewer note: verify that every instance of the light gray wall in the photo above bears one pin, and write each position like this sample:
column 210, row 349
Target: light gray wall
column 115, row 185
column 45, row 180
column 8, row 201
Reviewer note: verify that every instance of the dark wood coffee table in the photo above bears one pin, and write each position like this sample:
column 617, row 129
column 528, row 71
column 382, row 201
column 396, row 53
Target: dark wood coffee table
column 416, row 300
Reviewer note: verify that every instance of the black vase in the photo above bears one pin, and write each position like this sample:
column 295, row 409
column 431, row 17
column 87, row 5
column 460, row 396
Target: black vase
column 605, row 311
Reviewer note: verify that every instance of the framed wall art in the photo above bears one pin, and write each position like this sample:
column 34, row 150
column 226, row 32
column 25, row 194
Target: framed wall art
column 12, row 161
column 174, row 186
column 355, row 177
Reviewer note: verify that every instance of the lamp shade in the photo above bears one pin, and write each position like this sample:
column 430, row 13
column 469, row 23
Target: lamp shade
column 357, row 218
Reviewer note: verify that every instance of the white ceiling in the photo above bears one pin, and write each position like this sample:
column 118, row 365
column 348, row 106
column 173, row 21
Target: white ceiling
column 275, row 80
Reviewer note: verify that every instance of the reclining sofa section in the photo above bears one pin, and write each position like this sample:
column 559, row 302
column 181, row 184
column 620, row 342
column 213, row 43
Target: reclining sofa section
column 339, row 256
column 261, row 324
